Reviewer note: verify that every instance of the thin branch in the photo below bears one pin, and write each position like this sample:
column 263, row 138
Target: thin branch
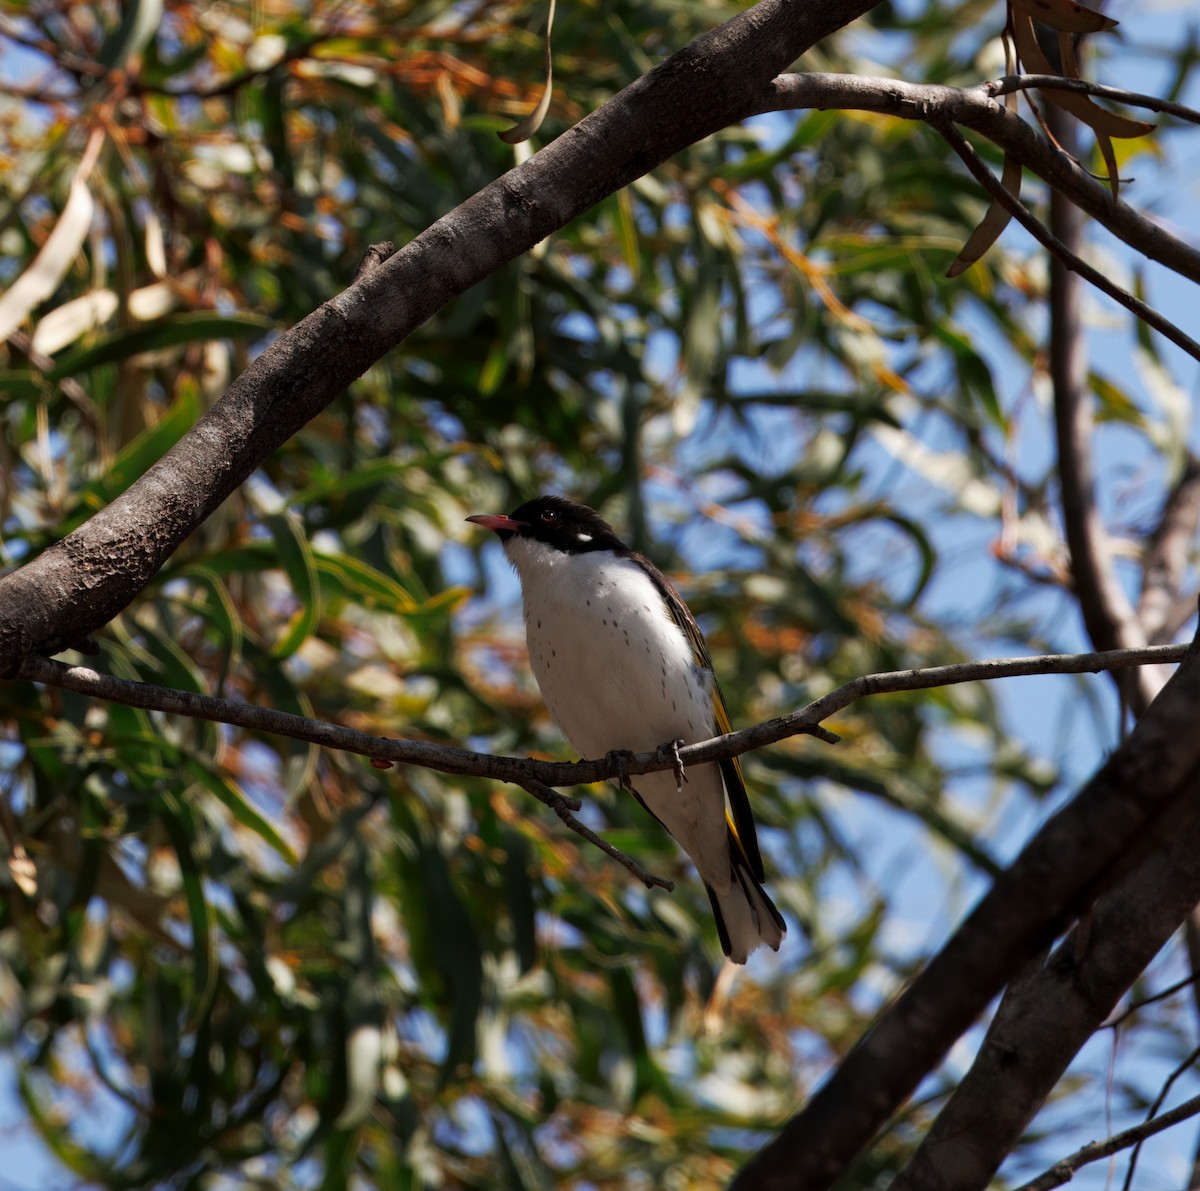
column 562, row 808
column 1053, row 82
column 1064, row 1171
column 1164, row 1091
column 976, row 108
column 540, row 777
column 447, row 758
column 1108, row 613
column 1052, row 244
column 1111, row 1023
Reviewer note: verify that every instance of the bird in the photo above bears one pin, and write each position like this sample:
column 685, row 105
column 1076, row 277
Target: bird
column 622, row 666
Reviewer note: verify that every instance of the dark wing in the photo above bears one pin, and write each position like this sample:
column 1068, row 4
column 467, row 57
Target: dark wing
column 738, row 813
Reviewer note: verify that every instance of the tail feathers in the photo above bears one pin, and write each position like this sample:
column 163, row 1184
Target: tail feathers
column 746, row 916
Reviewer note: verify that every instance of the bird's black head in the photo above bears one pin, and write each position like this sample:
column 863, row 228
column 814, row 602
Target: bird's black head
column 571, row 528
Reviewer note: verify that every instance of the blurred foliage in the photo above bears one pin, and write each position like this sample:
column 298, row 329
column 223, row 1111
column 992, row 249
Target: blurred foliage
column 224, row 954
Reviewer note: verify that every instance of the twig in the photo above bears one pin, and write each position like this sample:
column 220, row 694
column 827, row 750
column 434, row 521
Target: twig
column 1163, row 1092
column 1134, row 1006
column 562, row 808
column 1053, row 82
column 1064, row 1171
column 1052, row 244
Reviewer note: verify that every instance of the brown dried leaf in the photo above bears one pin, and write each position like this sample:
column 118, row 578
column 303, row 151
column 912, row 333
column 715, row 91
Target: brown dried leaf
column 994, row 221
column 23, row 871
column 527, row 127
column 1066, row 15
column 1099, row 119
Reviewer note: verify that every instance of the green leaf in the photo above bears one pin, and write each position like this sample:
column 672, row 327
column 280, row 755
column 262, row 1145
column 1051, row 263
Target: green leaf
column 182, row 829
column 136, row 458
column 237, row 802
column 191, row 327
column 370, row 585
column 973, row 371
column 295, row 555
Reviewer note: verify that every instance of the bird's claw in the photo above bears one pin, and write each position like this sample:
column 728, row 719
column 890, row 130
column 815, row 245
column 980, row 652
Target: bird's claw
column 677, row 766
column 619, row 759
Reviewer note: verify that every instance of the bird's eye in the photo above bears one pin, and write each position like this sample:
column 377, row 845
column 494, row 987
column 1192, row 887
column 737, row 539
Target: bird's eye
column 549, row 517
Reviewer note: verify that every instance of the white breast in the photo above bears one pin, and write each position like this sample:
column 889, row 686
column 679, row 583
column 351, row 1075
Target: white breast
column 617, row 672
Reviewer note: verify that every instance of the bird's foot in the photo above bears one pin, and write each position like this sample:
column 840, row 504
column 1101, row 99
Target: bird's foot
column 619, row 759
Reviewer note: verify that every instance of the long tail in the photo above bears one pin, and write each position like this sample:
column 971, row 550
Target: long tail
column 746, row 916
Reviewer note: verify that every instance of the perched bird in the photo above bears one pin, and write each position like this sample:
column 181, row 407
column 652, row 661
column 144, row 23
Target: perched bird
column 622, row 665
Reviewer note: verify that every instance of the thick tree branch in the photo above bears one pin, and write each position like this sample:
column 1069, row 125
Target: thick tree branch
column 1046, row 1018
column 1119, row 817
column 79, row 584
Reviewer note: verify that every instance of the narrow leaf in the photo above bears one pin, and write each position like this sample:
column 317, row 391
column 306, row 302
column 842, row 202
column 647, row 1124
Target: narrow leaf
column 182, row 328
column 295, row 555
column 527, row 127
column 994, row 221
column 235, row 800
column 1065, row 15
column 50, row 265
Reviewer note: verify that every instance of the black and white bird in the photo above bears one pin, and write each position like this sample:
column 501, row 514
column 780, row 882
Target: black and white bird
column 621, row 664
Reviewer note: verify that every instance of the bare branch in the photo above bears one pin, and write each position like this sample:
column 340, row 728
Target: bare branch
column 540, row 777
column 1054, row 82
column 447, row 758
column 562, row 808
column 1058, row 249
column 1064, row 1171
column 1108, row 614
column 977, row 109
column 1113, row 1022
